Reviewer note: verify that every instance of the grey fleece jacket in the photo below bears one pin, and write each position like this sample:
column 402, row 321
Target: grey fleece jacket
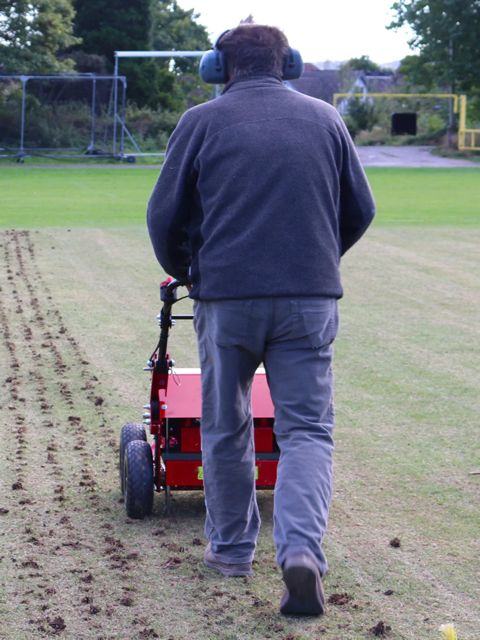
column 260, row 194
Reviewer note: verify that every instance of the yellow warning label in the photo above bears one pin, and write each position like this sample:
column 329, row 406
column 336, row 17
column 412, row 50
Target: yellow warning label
column 256, row 473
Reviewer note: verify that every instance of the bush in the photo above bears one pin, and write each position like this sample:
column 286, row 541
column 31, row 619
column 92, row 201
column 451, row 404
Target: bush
column 68, row 124
column 151, row 129
column 361, row 116
column 10, row 113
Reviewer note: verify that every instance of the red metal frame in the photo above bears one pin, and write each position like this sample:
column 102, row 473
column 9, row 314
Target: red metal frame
column 175, row 413
column 175, row 410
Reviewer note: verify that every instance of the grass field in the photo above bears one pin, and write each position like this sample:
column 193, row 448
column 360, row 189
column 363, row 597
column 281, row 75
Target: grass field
column 78, row 299
column 116, row 196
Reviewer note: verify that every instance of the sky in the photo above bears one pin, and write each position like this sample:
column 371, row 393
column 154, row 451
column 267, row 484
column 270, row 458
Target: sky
column 335, row 30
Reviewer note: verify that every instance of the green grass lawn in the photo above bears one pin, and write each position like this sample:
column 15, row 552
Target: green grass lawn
column 426, row 196
column 92, row 197
column 407, row 404
column 106, row 196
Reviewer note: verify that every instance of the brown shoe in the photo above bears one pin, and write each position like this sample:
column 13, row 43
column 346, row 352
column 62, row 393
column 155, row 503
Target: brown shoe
column 225, row 568
column 304, row 590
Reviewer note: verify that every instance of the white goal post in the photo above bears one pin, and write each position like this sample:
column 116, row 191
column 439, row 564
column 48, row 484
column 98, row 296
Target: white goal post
column 116, row 118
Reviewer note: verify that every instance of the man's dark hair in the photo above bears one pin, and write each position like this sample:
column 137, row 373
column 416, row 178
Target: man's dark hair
column 253, row 49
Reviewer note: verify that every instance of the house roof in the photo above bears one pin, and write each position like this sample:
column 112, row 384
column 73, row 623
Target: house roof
column 323, row 83
column 318, row 83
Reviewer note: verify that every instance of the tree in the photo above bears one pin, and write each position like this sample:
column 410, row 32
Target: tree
column 34, row 33
column 106, row 26
column 419, row 74
column 177, row 28
column 446, row 35
column 362, row 64
column 109, row 25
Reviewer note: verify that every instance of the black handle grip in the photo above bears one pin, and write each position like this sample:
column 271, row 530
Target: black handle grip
column 168, row 290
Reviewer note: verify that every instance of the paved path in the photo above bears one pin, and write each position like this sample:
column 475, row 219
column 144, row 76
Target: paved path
column 408, row 157
column 381, row 156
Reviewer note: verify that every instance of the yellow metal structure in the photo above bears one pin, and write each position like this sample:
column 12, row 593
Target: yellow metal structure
column 468, row 139
column 448, row 96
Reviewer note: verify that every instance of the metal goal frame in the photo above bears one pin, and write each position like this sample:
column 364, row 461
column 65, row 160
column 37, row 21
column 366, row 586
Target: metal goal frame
column 118, row 120
column 119, row 85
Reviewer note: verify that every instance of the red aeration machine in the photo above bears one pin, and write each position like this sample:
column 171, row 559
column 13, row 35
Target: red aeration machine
column 173, row 459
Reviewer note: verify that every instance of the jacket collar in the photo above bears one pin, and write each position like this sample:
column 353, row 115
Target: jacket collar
column 252, row 82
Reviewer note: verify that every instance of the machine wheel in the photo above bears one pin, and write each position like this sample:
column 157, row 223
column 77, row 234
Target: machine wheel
column 130, row 432
column 138, row 479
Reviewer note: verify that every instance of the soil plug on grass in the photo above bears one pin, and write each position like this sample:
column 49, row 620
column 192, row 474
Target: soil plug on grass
column 381, row 629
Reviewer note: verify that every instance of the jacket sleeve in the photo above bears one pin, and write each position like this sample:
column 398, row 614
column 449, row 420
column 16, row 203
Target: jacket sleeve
column 357, row 207
column 170, row 205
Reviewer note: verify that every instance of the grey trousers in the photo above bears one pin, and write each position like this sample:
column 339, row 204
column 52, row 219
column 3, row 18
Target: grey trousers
column 292, row 337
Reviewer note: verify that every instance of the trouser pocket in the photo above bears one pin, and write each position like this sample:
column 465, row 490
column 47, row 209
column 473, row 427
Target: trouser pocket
column 317, row 320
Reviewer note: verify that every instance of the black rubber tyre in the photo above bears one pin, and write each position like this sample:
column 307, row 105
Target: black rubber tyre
column 138, row 479
column 130, row 432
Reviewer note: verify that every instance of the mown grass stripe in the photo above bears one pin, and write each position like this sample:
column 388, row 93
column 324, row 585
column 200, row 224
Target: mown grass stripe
column 106, row 196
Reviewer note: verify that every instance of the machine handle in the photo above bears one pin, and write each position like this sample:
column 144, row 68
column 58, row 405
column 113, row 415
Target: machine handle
column 168, row 295
column 168, row 289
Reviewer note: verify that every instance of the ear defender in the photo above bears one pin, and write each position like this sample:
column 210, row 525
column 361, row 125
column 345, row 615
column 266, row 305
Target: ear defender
column 292, row 65
column 213, row 67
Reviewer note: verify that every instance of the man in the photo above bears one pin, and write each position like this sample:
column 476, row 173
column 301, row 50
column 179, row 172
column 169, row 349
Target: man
column 260, row 194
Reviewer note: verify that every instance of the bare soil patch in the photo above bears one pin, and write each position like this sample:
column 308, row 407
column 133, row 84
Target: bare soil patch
column 73, row 566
